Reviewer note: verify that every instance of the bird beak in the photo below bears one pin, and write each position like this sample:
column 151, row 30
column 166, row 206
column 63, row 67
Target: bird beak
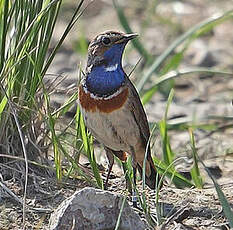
column 126, row 37
column 130, row 36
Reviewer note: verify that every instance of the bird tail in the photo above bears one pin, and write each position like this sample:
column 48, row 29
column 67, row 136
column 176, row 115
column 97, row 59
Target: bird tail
column 152, row 176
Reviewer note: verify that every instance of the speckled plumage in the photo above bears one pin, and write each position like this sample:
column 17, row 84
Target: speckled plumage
column 111, row 106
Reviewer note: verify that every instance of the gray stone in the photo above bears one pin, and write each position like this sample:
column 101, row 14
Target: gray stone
column 91, row 208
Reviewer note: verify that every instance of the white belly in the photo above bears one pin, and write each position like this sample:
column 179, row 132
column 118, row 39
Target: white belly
column 116, row 130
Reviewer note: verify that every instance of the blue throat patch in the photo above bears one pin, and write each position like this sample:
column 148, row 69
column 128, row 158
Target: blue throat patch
column 101, row 82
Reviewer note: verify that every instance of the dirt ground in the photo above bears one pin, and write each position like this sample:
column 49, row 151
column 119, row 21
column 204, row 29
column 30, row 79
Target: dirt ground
column 197, row 98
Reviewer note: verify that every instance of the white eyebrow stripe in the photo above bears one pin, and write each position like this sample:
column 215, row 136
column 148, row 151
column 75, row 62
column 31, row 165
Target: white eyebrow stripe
column 111, row 68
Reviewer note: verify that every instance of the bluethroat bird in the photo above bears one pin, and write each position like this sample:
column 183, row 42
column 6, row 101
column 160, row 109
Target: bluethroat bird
column 111, row 106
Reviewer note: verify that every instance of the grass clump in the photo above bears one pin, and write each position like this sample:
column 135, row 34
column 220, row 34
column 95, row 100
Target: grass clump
column 27, row 121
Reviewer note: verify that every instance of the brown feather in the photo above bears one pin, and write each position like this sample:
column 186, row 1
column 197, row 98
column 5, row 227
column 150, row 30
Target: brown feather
column 91, row 104
column 140, row 150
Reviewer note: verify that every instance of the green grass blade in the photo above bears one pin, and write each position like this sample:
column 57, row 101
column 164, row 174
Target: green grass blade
column 145, row 157
column 168, row 155
column 178, row 73
column 146, row 97
column 3, row 104
column 124, row 22
column 127, row 168
column 51, row 124
column 172, row 63
column 72, row 22
column 88, row 146
column 169, row 101
column 179, row 180
column 66, row 106
column 120, row 214
column 4, row 8
column 195, row 172
column 166, row 147
column 143, row 201
column 197, row 29
column 224, row 202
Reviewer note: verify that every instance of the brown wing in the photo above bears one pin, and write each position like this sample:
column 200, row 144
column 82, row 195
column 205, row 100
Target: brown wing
column 141, row 120
column 138, row 112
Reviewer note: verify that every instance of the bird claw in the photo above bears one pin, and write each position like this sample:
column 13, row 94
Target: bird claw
column 134, row 199
column 105, row 186
column 135, row 204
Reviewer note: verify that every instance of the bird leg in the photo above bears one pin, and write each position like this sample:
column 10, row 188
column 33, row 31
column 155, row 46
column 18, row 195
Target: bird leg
column 109, row 171
column 110, row 157
column 134, row 164
column 134, row 194
column 122, row 156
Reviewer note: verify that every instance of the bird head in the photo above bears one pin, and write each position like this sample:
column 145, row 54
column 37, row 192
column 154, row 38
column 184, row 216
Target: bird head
column 107, row 48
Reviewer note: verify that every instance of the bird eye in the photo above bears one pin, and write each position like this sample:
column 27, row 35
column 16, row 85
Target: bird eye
column 106, row 41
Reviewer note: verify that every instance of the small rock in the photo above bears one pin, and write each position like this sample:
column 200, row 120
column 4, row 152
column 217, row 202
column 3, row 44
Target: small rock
column 92, row 208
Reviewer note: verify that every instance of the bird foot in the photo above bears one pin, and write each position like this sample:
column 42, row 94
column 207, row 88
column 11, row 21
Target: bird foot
column 135, row 201
column 106, row 185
